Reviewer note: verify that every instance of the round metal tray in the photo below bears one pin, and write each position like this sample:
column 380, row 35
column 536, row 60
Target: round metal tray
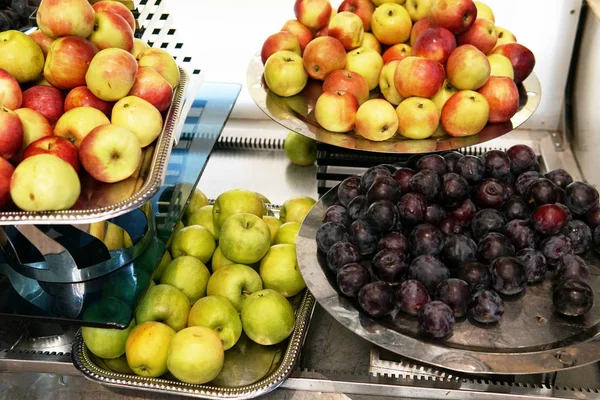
column 297, row 114
column 530, row 338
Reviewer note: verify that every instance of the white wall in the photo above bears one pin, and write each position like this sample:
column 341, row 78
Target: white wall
column 222, row 36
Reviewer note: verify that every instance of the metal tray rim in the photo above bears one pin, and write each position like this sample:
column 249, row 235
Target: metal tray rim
column 462, row 360
column 349, row 140
column 150, row 187
column 91, row 371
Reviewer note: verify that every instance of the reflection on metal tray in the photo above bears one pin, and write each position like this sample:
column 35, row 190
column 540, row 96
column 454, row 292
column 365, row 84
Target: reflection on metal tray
column 297, row 113
column 530, row 338
column 83, row 362
column 101, row 201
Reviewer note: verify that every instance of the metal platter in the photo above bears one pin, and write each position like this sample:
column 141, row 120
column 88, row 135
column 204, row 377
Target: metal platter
column 297, row 114
column 529, row 339
column 101, row 201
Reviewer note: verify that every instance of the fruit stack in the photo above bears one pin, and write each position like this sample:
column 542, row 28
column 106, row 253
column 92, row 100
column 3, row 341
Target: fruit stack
column 441, row 66
column 232, row 269
column 450, row 236
column 80, row 91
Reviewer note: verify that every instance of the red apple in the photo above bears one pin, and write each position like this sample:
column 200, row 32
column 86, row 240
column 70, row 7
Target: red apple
column 118, row 8
column 81, row 96
column 396, row 52
column 363, row 8
column 57, row 146
column 435, row 44
column 152, row 87
column 313, row 14
column 111, row 31
column 42, row 40
column 502, row 96
column 348, row 28
column 418, row 28
column 521, row 58
column 6, row 171
column 322, row 56
column 468, row 68
column 11, row 96
column 455, row 15
column 335, row 111
column 465, row 113
column 302, row 33
column 482, row 34
column 343, row 80
column 417, row 76
column 46, row 100
column 68, row 61
column 11, row 133
column 277, row 42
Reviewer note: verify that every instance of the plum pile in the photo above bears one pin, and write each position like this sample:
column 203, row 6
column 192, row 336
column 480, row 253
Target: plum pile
column 449, row 237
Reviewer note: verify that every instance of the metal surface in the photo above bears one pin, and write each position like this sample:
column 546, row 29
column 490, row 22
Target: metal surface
column 101, row 201
column 297, row 113
column 530, row 338
column 82, row 361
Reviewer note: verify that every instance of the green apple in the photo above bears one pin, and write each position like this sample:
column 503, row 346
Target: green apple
column 195, row 241
column 236, row 201
column 164, row 303
column 197, row 201
column 279, row 270
column 189, row 275
column 105, row 342
column 164, row 261
column 20, row 56
column 147, row 348
column 301, row 150
column 235, row 282
column 267, row 317
column 118, row 365
column 295, row 209
column 273, row 224
column 265, row 202
column 218, row 260
column 287, row 233
column 204, row 218
column 245, row 238
column 195, row 355
column 218, row 314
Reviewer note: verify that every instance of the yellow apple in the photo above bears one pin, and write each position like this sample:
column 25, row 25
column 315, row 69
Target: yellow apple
column 504, row 36
column 195, row 241
column 386, row 83
column 484, row 11
column 287, row 233
column 78, row 122
column 138, row 47
column 111, row 74
column 111, row 30
column 367, row 63
column 376, row 120
column 443, row 95
column 418, row 9
column 348, row 28
column 295, row 209
column 35, row 126
column 467, row 68
column 380, row 2
column 217, row 313
column 273, row 224
column 279, row 270
column 500, row 66
column 21, row 56
column 65, row 18
column 139, row 117
column 418, row 118
column 196, row 355
column 43, row 183
column 189, row 275
column 162, row 62
column 391, row 24
column 370, row 42
column 285, row 74
column 465, row 113
column 335, row 111
column 147, row 348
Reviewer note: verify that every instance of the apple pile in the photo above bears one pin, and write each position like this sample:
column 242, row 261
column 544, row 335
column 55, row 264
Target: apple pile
column 80, row 91
column 441, row 66
column 230, row 274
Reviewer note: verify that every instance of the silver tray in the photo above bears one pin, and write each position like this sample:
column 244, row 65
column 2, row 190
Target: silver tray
column 101, row 201
column 529, row 339
column 297, row 114
column 83, row 362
